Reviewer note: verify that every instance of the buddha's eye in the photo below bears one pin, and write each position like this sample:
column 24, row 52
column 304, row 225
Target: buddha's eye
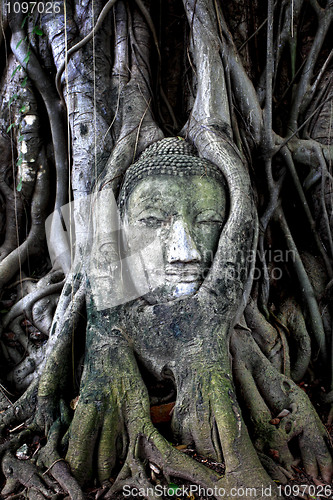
column 209, row 218
column 209, row 221
column 152, row 221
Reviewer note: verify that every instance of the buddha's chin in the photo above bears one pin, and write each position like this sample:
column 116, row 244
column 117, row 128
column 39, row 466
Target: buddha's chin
column 165, row 294
column 185, row 289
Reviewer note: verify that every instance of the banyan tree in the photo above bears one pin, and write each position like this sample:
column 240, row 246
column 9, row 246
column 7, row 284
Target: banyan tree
column 165, row 242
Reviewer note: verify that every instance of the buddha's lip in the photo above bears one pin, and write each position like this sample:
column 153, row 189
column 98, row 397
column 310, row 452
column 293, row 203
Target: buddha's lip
column 183, row 275
column 179, row 278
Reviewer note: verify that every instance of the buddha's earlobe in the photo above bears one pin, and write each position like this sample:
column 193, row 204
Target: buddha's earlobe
column 124, row 231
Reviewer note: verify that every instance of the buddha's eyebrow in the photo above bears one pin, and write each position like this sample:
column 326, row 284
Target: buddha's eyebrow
column 213, row 211
column 147, row 208
column 151, row 197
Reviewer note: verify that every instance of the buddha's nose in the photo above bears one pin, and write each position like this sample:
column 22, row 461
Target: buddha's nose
column 181, row 247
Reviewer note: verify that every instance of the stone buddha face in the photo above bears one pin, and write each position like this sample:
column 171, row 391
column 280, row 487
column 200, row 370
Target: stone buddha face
column 174, row 224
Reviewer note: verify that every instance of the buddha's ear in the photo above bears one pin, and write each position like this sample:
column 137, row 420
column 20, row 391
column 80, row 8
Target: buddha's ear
column 124, row 225
column 124, row 231
column 124, row 221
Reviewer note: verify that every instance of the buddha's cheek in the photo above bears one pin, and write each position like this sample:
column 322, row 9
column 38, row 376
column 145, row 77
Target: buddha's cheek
column 207, row 241
column 152, row 262
column 154, row 268
column 139, row 237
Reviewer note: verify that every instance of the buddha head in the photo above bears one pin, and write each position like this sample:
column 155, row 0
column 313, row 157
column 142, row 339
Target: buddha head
column 173, row 207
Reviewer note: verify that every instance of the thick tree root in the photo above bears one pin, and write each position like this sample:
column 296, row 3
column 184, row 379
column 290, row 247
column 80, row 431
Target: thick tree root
column 25, row 473
column 147, row 445
column 267, row 337
column 22, row 409
column 114, row 404
column 56, row 466
column 267, row 393
column 291, row 316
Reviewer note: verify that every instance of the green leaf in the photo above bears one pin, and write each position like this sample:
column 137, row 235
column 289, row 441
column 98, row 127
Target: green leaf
column 24, row 21
column 27, row 57
column 10, row 127
column 19, row 160
column 37, row 31
column 23, row 109
column 24, row 81
column 19, row 43
column 19, row 186
column 16, row 69
column 4, row 311
column 172, row 488
column 13, row 98
column 21, row 138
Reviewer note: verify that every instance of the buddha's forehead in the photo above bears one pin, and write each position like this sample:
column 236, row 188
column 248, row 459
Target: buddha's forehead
column 170, row 157
column 167, row 192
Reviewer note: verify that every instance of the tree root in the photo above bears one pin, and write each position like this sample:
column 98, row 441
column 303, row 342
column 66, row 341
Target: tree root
column 275, row 393
column 55, row 114
column 35, row 240
column 42, row 313
column 28, row 474
column 148, row 446
column 279, row 473
column 22, row 409
column 26, row 303
column 81, row 44
column 56, row 466
column 25, row 473
column 14, row 213
column 22, row 375
column 291, row 316
column 115, row 421
column 54, row 373
column 315, row 322
column 266, row 336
